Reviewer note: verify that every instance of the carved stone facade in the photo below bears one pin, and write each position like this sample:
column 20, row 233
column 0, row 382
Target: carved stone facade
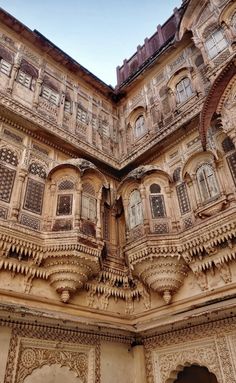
column 118, row 207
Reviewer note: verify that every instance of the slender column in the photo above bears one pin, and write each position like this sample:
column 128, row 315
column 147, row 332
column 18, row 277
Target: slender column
column 139, row 364
column 62, row 104
column 144, row 205
column 14, row 72
column 78, row 206
column 18, row 194
column 98, row 226
column 126, row 208
column 38, row 87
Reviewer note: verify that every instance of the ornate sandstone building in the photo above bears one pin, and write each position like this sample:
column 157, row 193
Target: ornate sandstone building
column 118, row 207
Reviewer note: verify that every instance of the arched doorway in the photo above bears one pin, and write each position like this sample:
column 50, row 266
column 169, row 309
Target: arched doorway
column 195, row 374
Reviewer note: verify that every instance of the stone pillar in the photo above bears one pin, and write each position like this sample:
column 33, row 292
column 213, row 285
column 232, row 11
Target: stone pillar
column 139, row 364
column 51, row 202
column 192, row 183
column 126, row 212
column 14, row 72
column 17, row 192
column 61, row 105
column 78, row 202
column 172, row 99
column 144, row 205
column 98, row 226
column 37, row 92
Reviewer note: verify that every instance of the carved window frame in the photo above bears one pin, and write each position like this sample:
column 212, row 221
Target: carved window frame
column 50, row 95
column 89, row 203
column 215, row 43
column 5, row 67
column 8, row 164
column 184, row 90
column 139, row 127
column 157, row 202
column 66, row 193
column 35, row 179
column 24, row 79
column 207, row 183
column 135, row 209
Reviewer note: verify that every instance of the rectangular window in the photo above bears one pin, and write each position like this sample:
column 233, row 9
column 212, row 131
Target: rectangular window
column 5, row 67
column 157, row 206
column 24, row 79
column 34, row 196
column 7, row 177
column 64, row 204
column 67, row 106
column 216, row 43
column 82, row 115
column 89, row 208
column 183, row 199
column 50, row 95
column 232, row 165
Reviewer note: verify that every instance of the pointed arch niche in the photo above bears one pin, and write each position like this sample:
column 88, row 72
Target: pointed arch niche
column 51, row 374
column 195, row 374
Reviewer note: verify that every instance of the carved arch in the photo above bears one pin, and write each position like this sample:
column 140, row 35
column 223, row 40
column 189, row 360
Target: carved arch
column 58, row 371
column 179, row 368
column 214, row 96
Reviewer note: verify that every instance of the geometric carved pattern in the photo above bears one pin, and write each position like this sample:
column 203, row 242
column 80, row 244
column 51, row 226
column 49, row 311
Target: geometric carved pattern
column 188, row 222
column 160, row 228
column 37, row 170
column 7, row 177
column 157, row 206
column 64, row 204
column 232, row 165
column 183, row 198
column 89, row 189
column 3, row 212
column 34, row 196
column 168, row 361
column 33, row 349
column 32, row 222
column 6, row 155
column 66, row 185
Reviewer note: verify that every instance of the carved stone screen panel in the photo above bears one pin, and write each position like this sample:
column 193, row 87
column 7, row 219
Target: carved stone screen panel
column 64, row 204
column 182, row 195
column 34, row 196
column 7, row 177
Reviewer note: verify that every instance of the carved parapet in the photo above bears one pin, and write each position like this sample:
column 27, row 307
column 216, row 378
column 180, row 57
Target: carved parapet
column 163, row 274
column 69, row 272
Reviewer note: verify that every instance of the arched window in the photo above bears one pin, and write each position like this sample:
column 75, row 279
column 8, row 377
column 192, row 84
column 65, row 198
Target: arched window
column 207, row 182
column 157, row 202
column 6, row 61
column 89, row 203
column 26, row 74
column 139, row 126
column 215, row 43
column 183, row 90
column 135, row 209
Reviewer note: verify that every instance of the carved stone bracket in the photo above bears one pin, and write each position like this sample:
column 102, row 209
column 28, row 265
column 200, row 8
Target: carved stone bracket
column 163, row 274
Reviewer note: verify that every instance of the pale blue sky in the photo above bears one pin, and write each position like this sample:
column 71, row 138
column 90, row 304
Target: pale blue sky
column 99, row 34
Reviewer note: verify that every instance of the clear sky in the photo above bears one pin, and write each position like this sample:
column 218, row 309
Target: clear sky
column 99, row 34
